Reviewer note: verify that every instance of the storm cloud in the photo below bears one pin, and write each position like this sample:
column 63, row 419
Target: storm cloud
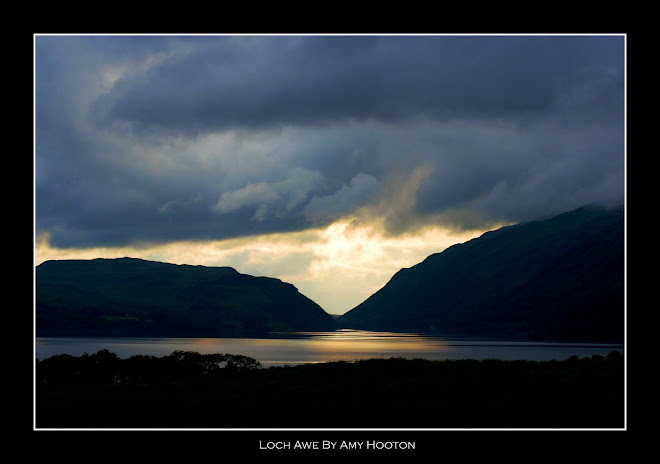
column 150, row 139
column 253, row 82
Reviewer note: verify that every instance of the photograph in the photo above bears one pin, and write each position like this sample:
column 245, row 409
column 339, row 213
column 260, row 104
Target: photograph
column 336, row 242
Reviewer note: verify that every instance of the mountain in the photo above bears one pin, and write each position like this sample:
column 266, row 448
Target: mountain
column 558, row 278
column 134, row 297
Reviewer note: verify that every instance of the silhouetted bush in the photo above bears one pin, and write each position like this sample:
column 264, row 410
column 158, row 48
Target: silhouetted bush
column 105, row 367
column 187, row 389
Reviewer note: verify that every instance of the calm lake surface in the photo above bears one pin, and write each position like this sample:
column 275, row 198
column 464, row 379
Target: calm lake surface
column 314, row 347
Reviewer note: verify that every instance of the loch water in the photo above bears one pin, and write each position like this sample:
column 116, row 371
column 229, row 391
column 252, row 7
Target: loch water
column 342, row 345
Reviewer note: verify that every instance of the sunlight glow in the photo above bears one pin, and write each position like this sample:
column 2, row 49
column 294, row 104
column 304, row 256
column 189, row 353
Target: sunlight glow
column 338, row 266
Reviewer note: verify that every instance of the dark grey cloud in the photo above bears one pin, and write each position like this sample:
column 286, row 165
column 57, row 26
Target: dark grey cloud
column 284, row 80
column 512, row 175
column 159, row 138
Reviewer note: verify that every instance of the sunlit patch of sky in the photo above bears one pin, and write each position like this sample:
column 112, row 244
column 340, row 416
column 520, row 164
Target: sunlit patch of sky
column 338, row 267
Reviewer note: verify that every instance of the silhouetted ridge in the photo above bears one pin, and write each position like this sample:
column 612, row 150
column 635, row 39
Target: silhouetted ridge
column 135, row 297
column 554, row 278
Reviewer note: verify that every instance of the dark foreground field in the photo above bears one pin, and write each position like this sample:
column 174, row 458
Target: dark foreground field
column 189, row 390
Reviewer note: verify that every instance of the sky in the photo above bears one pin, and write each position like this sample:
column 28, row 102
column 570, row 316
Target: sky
column 326, row 161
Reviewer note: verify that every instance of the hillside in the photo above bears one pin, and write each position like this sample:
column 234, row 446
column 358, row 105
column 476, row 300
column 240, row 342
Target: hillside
column 559, row 278
column 134, row 297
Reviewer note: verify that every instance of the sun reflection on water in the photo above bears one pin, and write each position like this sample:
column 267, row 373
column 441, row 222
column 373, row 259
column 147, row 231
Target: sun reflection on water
column 291, row 348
